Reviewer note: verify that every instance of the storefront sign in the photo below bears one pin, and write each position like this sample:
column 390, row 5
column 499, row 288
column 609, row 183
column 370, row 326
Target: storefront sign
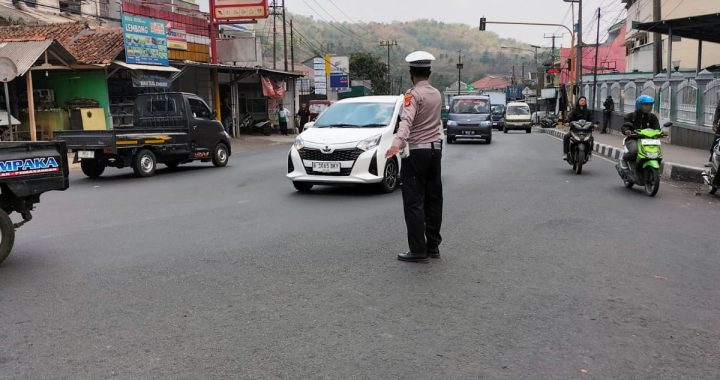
column 339, row 81
column 240, row 9
column 320, row 78
column 145, row 79
column 145, row 40
column 176, row 38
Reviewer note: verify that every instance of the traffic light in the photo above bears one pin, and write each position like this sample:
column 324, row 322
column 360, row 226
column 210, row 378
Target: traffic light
column 483, row 23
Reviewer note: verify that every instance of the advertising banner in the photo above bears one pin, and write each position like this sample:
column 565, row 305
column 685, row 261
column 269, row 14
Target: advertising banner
column 145, row 40
column 320, row 78
column 145, row 79
column 176, row 38
column 225, row 10
column 339, row 81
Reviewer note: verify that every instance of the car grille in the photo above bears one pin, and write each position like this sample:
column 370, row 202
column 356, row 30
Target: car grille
column 337, row 155
column 344, row 172
column 469, row 125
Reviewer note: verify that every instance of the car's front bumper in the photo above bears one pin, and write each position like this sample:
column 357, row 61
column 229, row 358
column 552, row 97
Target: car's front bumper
column 469, row 131
column 354, row 172
column 518, row 124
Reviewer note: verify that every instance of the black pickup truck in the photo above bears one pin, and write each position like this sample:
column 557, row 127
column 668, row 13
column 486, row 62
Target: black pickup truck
column 27, row 169
column 169, row 128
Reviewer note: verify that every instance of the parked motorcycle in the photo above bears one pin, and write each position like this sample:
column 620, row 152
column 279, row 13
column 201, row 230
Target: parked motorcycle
column 645, row 171
column 581, row 144
column 549, row 121
column 712, row 175
column 248, row 125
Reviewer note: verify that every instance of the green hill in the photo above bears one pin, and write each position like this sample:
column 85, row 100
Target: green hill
column 481, row 50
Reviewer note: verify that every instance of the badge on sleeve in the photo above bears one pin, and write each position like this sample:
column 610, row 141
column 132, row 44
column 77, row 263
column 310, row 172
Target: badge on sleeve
column 408, row 99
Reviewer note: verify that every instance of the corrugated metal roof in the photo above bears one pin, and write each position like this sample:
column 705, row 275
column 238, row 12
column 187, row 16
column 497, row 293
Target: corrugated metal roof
column 24, row 54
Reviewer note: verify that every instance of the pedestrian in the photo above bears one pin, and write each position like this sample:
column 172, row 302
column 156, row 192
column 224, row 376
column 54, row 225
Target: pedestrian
column 303, row 117
column 608, row 109
column 419, row 133
column 226, row 114
column 283, row 119
column 580, row 112
column 716, row 128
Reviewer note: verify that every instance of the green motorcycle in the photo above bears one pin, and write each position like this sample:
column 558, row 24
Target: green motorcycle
column 645, row 171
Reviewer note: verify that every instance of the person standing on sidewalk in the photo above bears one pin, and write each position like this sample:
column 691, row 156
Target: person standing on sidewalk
column 226, row 115
column 303, row 117
column 283, row 119
column 608, row 109
column 716, row 128
column 420, row 132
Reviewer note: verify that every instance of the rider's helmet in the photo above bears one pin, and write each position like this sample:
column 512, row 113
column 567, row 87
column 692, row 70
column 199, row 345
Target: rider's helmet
column 644, row 103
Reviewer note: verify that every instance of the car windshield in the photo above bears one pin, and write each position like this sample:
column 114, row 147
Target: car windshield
column 470, row 106
column 356, row 115
column 498, row 109
column 518, row 110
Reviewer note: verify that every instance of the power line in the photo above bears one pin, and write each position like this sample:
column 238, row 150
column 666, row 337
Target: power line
column 344, row 32
column 341, row 11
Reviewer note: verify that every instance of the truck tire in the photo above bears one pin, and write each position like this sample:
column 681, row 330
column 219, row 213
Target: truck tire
column 220, row 155
column 92, row 168
column 7, row 237
column 144, row 163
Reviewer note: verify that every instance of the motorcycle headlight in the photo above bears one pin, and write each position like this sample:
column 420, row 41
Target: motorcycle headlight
column 299, row 144
column 369, row 143
column 652, row 155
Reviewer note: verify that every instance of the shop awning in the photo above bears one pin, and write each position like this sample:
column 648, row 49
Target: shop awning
column 702, row 28
column 24, row 53
column 132, row 66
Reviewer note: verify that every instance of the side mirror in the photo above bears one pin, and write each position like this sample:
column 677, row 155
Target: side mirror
column 309, row 124
column 668, row 124
column 214, row 115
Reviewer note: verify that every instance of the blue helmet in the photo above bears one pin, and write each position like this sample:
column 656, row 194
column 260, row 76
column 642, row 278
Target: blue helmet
column 643, row 99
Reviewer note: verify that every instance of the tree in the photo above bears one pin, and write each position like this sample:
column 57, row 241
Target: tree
column 366, row 66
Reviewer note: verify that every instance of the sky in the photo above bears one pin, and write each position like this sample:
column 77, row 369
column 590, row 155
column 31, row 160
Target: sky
column 467, row 12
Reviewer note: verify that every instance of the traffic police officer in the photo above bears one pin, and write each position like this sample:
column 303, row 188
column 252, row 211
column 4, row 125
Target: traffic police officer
column 420, row 133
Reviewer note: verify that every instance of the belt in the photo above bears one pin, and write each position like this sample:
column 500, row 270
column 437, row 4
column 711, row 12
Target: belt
column 432, row 145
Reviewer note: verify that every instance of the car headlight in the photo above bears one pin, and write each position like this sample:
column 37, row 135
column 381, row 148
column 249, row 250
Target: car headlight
column 369, row 143
column 452, row 123
column 485, row 123
column 299, row 144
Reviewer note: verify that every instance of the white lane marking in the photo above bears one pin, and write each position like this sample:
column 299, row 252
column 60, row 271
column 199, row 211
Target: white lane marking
column 243, row 202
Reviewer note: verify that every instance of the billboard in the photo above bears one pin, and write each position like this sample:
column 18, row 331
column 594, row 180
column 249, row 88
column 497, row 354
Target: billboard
column 339, row 81
column 145, row 40
column 320, row 77
column 225, row 10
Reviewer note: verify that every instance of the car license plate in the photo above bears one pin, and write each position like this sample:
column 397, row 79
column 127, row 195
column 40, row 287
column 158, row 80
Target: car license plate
column 495, row 124
column 468, row 132
column 326, row 167
column 86, row 154
column 650, row 142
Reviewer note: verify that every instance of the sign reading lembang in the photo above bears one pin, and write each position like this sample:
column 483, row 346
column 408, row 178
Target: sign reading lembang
column 240, row 9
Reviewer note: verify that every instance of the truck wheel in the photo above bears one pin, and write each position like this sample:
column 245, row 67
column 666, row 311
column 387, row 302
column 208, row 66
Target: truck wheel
column 529, row 130
column 8, row 235
column 144, row 163
column 92, row 168
column 220, row 157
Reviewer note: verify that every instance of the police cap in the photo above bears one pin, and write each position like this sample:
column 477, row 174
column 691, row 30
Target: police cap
column 420, row 59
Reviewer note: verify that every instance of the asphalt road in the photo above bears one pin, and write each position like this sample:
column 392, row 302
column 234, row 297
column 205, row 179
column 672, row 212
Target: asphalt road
column 211, row 273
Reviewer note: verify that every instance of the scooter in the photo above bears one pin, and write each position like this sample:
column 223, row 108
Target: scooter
column 248, row 125
column 580, row 145
column 712, row 175
column 549, row 121
column 645, row 171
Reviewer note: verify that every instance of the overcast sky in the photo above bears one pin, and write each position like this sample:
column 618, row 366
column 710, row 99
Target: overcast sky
column 465, row 11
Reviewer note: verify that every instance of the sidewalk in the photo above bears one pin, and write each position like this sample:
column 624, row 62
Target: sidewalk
column 679, row 163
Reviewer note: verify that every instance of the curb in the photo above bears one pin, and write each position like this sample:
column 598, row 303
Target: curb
column 674, row 171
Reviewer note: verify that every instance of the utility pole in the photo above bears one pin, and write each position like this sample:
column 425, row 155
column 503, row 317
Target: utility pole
column 554, row 37
column 657, row 40
column 513, row 76
column 388, row 44
column 284, row 35
column 579, row 59
column 459, row 67
column 292, row 46
column 274, row 35
column 522, row 81
column 597, row 52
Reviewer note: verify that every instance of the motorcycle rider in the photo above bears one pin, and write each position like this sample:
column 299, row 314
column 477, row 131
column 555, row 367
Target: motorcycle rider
column 716, row 128
column 642, row 118
column 581, row 112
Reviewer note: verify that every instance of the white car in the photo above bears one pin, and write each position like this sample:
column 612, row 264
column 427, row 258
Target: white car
column 347, row 145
